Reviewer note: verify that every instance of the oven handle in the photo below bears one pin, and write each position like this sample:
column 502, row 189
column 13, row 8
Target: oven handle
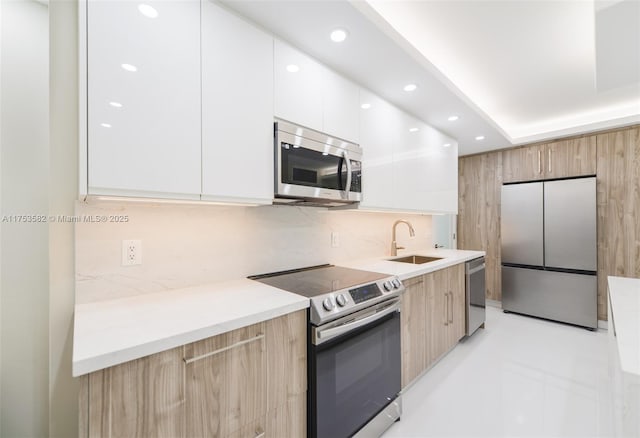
column 323, row 335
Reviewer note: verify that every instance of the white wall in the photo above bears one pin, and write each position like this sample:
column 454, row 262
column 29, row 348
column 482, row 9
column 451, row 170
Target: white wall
column 63, row 191
column 24, row 276
column 187, row 245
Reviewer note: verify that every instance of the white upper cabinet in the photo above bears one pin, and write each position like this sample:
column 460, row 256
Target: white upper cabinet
column 425, row 170
column 377, row 121
column 143, row 85
column 406, row 165
column 298, row 87
column 340, row 107
column 310, row 94
column 237, row 108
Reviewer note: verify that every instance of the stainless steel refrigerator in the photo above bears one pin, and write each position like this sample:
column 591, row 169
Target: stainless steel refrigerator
column 549, row 253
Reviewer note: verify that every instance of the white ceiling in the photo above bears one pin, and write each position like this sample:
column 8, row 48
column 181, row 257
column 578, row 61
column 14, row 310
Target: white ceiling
column 514, row 71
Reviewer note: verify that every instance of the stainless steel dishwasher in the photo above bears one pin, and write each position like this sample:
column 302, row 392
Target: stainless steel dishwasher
column 475, row 286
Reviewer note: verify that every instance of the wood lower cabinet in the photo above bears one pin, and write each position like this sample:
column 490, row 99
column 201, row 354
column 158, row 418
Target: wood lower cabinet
column 433, row 319
column 446, row 310
column 414, row 329
column 140, row 398
column 248, row 382
column 225, row 382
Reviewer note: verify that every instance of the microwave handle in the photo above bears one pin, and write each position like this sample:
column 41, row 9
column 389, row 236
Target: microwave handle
column 347, row 188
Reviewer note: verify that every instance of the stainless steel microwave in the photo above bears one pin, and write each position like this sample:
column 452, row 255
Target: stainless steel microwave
column 315, row 167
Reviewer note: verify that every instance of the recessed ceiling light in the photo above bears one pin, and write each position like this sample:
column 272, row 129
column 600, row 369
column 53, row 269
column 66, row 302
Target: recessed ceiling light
column 115, row 104
column 410, row 87
column 105, row 125
column 365, row 106
column 292, row 68
column 129, row 67
column 147, row 11
column 480, row 137
column 339, row 35
column 453, row 118
column 413, row 129
column 446, row 145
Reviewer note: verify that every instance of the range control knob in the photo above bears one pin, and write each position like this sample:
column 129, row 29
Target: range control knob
column 341, row 300
column 387, row 285
column 396, row 283
column 328, row 304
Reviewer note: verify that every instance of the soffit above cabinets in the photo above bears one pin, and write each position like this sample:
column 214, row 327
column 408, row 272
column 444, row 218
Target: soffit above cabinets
column 513, row 72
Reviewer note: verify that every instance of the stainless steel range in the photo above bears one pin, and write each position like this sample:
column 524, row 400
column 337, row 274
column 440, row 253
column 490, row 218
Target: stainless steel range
column 354, row 368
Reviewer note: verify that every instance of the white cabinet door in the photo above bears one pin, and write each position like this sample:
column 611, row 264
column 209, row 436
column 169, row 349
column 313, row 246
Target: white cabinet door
column 298, row 87
column 237, row 108
column 426, row 171
column 340, row 107
column 144, row 98
column 408, row 164
column 379, row 121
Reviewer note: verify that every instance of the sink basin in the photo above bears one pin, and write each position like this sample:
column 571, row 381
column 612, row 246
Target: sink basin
column 415, row 259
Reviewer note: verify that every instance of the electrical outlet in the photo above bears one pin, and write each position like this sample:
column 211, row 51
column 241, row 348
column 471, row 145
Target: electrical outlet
column 335, row 239
column 131, row 252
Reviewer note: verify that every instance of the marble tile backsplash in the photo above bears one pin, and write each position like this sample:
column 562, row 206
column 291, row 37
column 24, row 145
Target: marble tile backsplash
column 187, row 245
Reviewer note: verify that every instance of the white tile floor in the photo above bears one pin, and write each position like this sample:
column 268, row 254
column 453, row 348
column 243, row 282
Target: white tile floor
column 520, row 376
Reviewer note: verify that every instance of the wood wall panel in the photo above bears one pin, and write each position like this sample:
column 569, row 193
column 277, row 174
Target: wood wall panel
column 480, row 180
column 618, row 185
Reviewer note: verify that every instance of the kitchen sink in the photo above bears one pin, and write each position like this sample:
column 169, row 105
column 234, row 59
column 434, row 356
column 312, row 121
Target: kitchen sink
column 415, row 259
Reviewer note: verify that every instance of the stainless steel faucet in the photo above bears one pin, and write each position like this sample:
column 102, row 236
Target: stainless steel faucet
column 394, row 244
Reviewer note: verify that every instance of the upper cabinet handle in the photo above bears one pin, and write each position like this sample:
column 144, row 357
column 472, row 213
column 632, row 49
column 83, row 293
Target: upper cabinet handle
column 539, row 161
column 549, row 159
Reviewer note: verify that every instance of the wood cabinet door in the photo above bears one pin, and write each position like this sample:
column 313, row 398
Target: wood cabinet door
column 414, row 329
column 523, row 164
column 226, row 382
column 140, row 398
column 457, row 321
column 436, row 285
column 286, row 350
column 570, row 158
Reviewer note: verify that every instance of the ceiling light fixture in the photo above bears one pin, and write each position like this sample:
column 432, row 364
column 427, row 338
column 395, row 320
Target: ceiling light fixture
column 480, row 137
column 365, row 106
column 115, row 104
column 105, row 125
column 292, row 68
column 453, row 118
column 148, row 11
column 129, row 67
column 410, row 87
column 446, row 145
column 413, row 129
column 339, row 35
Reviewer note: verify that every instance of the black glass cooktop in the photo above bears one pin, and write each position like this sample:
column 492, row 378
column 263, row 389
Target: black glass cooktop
column 318, row 280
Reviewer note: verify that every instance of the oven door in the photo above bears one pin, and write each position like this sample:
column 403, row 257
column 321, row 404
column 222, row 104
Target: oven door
column 312, row 169
column 354, row 375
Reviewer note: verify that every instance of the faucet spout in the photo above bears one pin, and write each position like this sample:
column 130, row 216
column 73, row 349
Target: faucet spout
column 394, row 245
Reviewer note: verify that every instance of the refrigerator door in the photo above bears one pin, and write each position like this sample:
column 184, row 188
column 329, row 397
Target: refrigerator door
column 559, row 296
column 521, row 225
column 570, row 224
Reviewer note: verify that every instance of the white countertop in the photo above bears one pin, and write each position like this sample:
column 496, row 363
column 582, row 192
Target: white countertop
column 624, row 294
column 450, row 257
column 108, row 333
